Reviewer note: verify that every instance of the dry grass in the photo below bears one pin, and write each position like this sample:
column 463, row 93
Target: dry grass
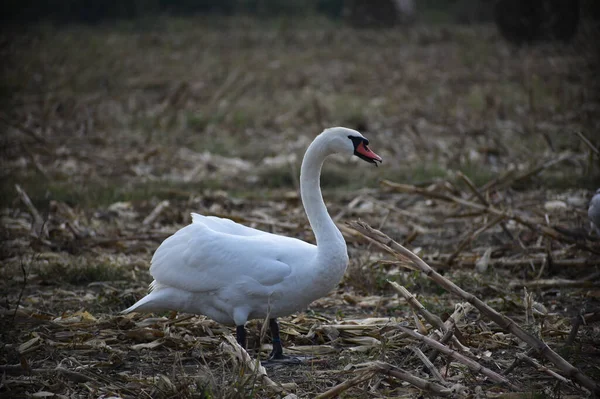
column 101, row 125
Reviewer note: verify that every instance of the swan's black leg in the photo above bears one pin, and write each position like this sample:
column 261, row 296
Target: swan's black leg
column 240, row 335
column 277, row 356
column 277, row 352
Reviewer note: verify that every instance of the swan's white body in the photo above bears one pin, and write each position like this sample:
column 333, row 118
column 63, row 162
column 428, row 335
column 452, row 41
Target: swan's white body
column 233, row 273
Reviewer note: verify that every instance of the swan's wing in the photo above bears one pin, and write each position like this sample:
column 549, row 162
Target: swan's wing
column 199, row 259
column 225, row 225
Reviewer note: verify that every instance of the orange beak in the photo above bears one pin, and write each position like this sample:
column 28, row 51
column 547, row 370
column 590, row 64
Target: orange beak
column 367, row 154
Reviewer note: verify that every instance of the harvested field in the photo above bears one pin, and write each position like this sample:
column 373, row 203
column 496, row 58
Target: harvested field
column 112, row 135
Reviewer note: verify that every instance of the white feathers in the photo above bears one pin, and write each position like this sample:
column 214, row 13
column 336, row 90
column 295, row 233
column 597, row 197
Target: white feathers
column 232, row 273
column 206, row 258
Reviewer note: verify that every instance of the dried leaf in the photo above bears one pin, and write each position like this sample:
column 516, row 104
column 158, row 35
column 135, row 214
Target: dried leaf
column 29, row 344
column 150, row 345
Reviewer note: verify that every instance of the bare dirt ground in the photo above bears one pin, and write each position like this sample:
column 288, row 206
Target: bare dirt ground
column 113, row 135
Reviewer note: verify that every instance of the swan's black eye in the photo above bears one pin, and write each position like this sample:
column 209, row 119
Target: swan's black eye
column 357, row 140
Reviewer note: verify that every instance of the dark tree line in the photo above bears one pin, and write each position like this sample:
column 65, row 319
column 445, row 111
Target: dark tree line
column 525, row 21
column 96, row 11
column 519, row 21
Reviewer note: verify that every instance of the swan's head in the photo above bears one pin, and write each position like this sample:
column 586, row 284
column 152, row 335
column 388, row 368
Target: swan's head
column 347, row 141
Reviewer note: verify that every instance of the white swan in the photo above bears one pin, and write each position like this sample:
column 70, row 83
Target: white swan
column 233, row 273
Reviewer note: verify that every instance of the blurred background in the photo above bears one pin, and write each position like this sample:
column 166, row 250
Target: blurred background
column 190, row 91
column 229, row 93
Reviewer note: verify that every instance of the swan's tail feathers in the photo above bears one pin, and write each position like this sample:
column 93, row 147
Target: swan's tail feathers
column 161, row 298
column 143, row 304
column 139, row 306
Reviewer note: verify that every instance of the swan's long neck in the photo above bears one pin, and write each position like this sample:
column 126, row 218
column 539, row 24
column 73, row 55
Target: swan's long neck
column 330, row 243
